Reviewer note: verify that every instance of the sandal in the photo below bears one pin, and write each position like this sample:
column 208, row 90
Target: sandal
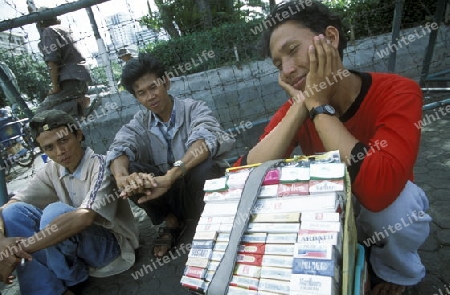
column 169, row 237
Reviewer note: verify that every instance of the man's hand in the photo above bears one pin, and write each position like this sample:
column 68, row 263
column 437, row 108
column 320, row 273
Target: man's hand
column 10, row 256
column 136, row 183
column 321, row 83
column 164, row 183
column 54, row 90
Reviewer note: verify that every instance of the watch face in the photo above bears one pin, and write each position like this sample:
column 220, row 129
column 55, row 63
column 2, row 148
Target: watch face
column 329, row 109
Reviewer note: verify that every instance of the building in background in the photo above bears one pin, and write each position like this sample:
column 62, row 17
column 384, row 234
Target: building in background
column 14, row 43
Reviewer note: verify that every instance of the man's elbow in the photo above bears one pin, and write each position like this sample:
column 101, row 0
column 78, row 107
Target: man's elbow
column 86, row 217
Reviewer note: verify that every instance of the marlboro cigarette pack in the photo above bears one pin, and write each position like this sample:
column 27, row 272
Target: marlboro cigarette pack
column 247, row 270
column 277, row 261
column 313, row 285
column 255, row 227
column 232, row 290
column 326, row 177
column 279, row 217
column 250, row 259
column 320, row 216
column 288, row 238
column 280, row 249
column 268, row 191
column 317, row 251
column 322, row 225
column 252, row 248
column 293, row 189
column 254, row 238
column 195, row 272
column 275, row 286
column 276, row 273
column 197, row 285
column 244, row 282
column 200, row 253
column 203, row 244
column 318, row 267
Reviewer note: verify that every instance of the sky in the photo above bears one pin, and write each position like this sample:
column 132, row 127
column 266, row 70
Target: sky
column 77, row 21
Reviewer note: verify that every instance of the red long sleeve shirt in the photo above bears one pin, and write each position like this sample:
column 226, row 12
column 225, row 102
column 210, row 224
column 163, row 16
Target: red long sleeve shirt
column 384, row 119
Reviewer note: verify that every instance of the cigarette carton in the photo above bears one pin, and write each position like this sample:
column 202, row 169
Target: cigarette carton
column 319, row 236
column 200, row 253
column 252, row 248
column 326, row 177
column 312, row 285
column 209, row 275
column 244, row 282
column 255, row 227
column 205, row 235
column 213, row 265
column 293, row 189
column 226, row 195
column 321, row 216
column 318, row 251
column 217, row 255
column 223, row 237
column 322, row 225
column 220, row 246
column 268, row 191
column 272, row 177
column 318, row 267
column 254, row 238
column 197, row 285
column 277, row 261
column 203, row 244
column 220, row 208
column 232, row 290
column 279, row 217
column 197, row 262
column 215, row 219
column 275, row 286
column 216, row 184
column 276, row 273
column 238, row 179
column 208, row 227
column 195, row 272
column 294, row 174
column 247, row 270
column 250, row 259
column 287, row 238
column 280, row 249
column 225, row 227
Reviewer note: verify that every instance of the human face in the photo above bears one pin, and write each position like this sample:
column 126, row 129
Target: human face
column 62, row 146
column 152, row 94
column 289, row 45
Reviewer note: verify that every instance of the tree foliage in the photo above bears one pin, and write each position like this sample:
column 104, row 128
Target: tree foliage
column 98, row 74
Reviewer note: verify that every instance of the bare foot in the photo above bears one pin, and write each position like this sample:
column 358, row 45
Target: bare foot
column 161, row 250
column 386, row 288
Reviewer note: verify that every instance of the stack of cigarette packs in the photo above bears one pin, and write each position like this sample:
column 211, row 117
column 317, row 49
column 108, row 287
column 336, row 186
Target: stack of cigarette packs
column 293, row 241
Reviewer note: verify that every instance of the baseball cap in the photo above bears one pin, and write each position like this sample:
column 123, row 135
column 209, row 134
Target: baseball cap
column 51, row 119
column 122, row 52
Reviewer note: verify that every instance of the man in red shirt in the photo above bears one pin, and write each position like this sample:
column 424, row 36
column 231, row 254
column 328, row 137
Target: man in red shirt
column 368, row 117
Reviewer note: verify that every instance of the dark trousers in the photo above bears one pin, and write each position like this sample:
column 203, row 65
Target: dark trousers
column 185, row 198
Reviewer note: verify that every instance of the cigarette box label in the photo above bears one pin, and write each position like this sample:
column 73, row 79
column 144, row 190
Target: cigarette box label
column 250, row 259
column 280, row 217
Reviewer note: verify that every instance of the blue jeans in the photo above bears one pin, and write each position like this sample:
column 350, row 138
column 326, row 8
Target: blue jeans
column 55, row 268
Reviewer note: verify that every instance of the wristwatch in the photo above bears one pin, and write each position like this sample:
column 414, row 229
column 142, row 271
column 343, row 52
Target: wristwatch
column 323, row 109
column 181, row 165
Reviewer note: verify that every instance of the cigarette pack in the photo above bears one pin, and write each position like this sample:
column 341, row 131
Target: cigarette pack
column 213, row 265
column 203, row 244
column 275, row 286
column 223, row 237
column 209, row 275
column 200, row 253
column 216, row 184
column 313, row 285
column 232, row 290
column 220, row 246
column 215, row 219
column 276, row 273
column 319, row 236
column 250, row 259
column 220, row 208
column 280, row 249
column 197, row 285
column 272, row 177
column 326, row 177
column 252, row 248
column 321, row 216
column 318, row 267
column 318, row 251
column 294, row 174
column 238, row 179
column 225, row 227
column 217, row 255
column 254, row 238
column 322, row 225
column 247, row 270
column 257, row 227
column 244, row 282
column 197, row 262
column 195, row 272
column 268, row 191
column 288, row 238
column 205, row 235
column 277, row 261
column 293, row 189
column 278, row 217
column 226, row 195
column 208, row 227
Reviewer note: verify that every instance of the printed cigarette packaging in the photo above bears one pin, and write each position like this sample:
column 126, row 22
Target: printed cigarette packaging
column 232, row 290
column 252, row 248
column 250, row 259
column 223, row 237
column 317, row 251
column 209, row 275
column 321, row 216
column 247, row 270
column 293, row 189
column 238, row 179
column 277, row 261
column 220, row 246
column 225, row 227
column 205, row 235
column 215, row 219
column 244, row 282
column 272, row 177
column 254, row 238
column 213, row 265
column 203, row 244
column 280, row 249
column 291, row 174
column 278, row 217
column 255, row 227
column 200, row 253
column 197, row 262
column 276, row 273
column 322, row 225
column 302, row 284
column 268, row 191
column 326, row 177
column 217, row 255
column 287, row 238
column 275, row 286
column 260, row 292
column 318, row 267
column 195, row 272
column 220, row 208
column 319, row 236
column 208, row 227
column 216, row 184
column 197, row 285
column 226, row 195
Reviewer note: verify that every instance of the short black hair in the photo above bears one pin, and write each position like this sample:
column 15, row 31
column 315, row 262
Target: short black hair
column 316, row 17
column 137, row 67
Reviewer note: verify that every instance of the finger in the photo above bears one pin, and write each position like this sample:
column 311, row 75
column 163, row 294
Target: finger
column 145, row 198
column 321, row 59
column 329, row 58
column 312, row 60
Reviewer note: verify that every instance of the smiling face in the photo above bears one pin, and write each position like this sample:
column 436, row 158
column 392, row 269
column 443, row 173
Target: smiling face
column 152, row 93
column 289, row 45
column 62, row 146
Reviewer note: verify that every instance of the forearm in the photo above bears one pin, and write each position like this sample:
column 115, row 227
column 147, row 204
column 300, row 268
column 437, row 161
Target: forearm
column 276, row 143
column 191, row 158
column 53, row 70
column 60, row 229
column 119, row 166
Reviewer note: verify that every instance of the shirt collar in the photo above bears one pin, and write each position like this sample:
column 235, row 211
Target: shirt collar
column 81, row 170
column 157, row 121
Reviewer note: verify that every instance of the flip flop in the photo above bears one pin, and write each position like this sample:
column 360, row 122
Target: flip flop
column 170, row 242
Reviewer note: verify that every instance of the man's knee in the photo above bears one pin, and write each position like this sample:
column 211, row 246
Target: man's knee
column 52, row 211
column 15, row 212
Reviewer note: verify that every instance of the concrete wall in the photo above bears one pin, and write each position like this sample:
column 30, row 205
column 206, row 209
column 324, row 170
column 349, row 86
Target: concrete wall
column 251, row 92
